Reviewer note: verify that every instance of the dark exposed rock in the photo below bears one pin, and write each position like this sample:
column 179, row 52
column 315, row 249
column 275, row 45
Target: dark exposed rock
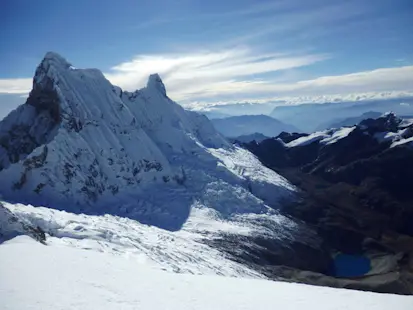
column 44, row 97
column 387, row 123
column 394, row 282
column 273, row 153
column 260, row 253
column 31, row 125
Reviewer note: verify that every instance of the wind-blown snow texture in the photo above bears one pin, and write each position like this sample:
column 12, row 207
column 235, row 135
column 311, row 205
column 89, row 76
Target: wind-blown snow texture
column 54, row 277
column 81, row 144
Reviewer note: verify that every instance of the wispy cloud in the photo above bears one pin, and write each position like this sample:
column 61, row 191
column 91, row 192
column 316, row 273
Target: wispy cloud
column 15, row 86
column 268, row 7
column 239, row 75
column 298, row 21
column 266, row 104
column 206, row 73
column 375, row 84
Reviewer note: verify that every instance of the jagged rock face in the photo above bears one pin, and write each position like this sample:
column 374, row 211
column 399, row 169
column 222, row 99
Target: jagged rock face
column 30, row 126
column 387, row 123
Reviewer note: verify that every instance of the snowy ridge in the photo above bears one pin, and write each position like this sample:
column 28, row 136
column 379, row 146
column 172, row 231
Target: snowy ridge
column 386, row 129
column 325, row 137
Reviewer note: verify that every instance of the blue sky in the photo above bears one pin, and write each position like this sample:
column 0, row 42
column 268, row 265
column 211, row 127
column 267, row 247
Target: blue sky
column 217, row 52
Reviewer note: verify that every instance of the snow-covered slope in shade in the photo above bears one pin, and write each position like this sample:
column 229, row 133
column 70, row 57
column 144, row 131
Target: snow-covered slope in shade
column 54, row 277
column 83, row 145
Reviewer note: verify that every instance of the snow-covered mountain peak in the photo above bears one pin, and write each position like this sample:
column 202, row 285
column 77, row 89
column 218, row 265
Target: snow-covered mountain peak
column 49, row 68
column 80, row 143
column 56, row 59
column 155, row 82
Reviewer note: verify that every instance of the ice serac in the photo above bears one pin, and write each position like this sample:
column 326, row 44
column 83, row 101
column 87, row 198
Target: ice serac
column 80, row 143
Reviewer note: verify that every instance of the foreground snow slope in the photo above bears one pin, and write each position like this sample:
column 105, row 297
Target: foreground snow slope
column 40, row 277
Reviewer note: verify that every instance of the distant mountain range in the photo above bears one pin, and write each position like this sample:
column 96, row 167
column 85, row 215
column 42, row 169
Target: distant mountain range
column 236, row 126
column 214, row 114
column 350, row 121
column 311, row 117
column 258, row 137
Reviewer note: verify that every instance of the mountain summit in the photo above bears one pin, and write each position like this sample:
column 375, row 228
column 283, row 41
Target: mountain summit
column 83, row 145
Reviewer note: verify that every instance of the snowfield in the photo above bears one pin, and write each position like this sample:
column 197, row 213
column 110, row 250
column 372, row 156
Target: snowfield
column 38, row 277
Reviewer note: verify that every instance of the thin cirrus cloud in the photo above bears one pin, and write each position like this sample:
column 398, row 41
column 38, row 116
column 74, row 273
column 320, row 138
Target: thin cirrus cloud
column 211, row 78
column 205, row 74
column 15, row 86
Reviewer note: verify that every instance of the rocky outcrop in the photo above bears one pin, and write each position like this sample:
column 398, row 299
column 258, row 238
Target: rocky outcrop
column 12, row 226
